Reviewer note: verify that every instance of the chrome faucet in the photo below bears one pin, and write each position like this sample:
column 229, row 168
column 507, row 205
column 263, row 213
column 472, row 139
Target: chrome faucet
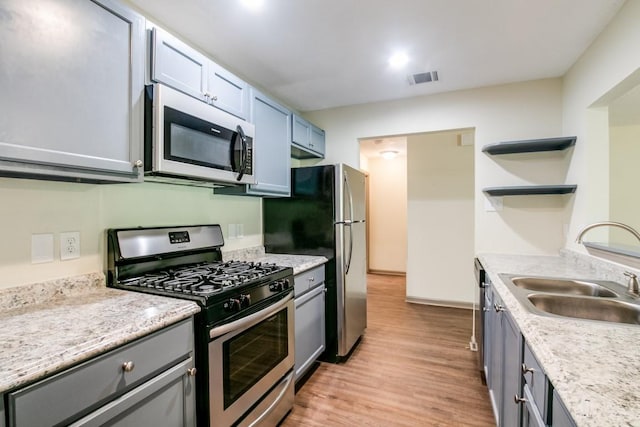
column 632, row 286
column 609, row 223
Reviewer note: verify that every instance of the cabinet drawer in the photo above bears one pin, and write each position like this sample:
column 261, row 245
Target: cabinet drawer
column 76, row 391
column 308, row 280
column 535, row 377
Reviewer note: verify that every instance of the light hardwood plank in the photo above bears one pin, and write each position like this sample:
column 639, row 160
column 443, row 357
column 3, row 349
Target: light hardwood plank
column 412, row 368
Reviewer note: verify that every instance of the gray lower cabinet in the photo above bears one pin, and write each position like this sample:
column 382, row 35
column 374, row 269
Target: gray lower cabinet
column 182, row 67
column 272, row 151
column 72, row 91
column 560, row 417
column 310, row 340
column 505, row 356
column 520, row 392
column 307, row 140
column 144, row 383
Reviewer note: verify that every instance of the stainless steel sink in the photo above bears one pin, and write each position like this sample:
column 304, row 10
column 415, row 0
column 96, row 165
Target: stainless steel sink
column 563, row 286
column 610, row 310
column 577, row 298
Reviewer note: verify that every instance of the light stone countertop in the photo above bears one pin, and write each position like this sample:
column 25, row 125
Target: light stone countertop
column 51, row 326
column 299, row 263
column 594, row 366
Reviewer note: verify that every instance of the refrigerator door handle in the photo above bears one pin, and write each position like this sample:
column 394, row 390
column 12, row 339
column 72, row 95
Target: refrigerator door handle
column 348, row 263
column 349, row 221
column 347, row 188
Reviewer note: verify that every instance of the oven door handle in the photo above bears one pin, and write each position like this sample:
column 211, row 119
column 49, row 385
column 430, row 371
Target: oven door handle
column 284, row 384
column 250, row 320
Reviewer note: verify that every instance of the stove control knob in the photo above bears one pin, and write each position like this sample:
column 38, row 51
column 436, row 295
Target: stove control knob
column 286, row 284
column 275, row 286
column 233, row 305
column 245, row 301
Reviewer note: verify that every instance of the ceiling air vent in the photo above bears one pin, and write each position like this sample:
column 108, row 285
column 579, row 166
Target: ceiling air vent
column 429, row 76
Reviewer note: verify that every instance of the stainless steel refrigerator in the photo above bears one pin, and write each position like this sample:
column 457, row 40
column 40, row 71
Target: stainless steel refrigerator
column 325, row 215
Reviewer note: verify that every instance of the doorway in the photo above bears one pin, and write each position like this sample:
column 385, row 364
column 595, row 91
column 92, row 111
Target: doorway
column 421, row 210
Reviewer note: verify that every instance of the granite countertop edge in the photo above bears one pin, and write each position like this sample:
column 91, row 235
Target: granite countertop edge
column 51, row 326
column 571, row 351
column 83, row 318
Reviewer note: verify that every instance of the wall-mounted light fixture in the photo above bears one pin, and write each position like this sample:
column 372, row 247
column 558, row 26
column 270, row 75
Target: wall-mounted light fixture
column 389, row 154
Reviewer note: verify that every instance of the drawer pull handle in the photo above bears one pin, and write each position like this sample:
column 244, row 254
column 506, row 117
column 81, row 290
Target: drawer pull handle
column 192, row 372
column 128, row 366
column 518, row 400
column 526, row 370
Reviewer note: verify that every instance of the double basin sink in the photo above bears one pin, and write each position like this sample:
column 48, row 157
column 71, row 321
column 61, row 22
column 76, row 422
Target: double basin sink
column 583, row 299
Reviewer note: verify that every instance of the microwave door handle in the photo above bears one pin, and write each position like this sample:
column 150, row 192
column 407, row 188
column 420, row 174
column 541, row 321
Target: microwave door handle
column 243, row 154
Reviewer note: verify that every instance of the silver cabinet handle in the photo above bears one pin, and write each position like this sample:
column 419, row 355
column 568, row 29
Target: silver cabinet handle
column 128, row 366
column 312, row 279
column 526, row 370
column 518, row 400
column 138, row 163
column 214, row 97
column 498, row 308
column 192, row 372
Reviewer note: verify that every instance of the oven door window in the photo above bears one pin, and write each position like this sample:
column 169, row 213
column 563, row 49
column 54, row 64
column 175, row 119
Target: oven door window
column 189, row 139
column 249, row 356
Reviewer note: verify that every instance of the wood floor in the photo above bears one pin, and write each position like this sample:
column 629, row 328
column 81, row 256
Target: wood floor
column 412, row 368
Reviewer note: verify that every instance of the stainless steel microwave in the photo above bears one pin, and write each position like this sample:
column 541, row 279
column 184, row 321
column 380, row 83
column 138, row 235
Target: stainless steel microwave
column 187, row 138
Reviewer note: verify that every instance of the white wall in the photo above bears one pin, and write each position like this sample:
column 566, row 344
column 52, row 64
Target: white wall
column 387, row 214
column 609, row 60
column 441, row 216
column 530, row 225
column 515, row 111
column 32, row 207
column 624, row 163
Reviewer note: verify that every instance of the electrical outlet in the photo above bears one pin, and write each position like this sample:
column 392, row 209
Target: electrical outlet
column 69, row 245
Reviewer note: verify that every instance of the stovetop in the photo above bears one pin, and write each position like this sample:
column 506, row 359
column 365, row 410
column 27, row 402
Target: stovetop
column 206, row 279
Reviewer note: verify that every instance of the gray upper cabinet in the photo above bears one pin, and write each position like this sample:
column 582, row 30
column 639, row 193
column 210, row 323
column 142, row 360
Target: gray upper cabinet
column 307, row 140
column 227, row 92
column 72, row 90
column 272, row 149
column 178, row 65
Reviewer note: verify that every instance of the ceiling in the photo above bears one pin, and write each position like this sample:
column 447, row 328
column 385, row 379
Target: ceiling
column 317, row 54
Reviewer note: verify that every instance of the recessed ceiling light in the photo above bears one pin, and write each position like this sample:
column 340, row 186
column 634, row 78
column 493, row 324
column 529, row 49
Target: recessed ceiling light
column 398, row 60
column 253, row 4
column 389, row 154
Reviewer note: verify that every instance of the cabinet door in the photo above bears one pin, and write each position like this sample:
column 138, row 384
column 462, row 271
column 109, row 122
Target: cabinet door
column 309, row 329
column 560, row 417
column 166, row 400
column 530, row 414
column 227, row 92
column 178, row 65
column 317, row 140
column 494, row 381
column 512, row 374
column 301, row 132
column 272, row 148
column 486, row 336
column 72, row 88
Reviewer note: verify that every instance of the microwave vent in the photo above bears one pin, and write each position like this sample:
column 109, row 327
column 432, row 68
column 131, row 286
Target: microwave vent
column 419, row 78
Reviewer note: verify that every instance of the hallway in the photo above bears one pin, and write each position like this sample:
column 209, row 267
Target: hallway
column 411, row 368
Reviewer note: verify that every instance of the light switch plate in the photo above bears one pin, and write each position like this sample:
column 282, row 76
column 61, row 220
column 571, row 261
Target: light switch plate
column 41, row 248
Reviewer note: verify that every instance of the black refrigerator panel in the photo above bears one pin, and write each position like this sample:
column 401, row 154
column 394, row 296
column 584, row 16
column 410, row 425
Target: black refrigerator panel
column 303, row 223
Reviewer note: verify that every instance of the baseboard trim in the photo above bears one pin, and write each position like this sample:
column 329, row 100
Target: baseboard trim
column 440, row 303
column 387, row 272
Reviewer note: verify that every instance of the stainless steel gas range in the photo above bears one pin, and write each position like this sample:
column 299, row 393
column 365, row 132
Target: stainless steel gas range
column 244, row 333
